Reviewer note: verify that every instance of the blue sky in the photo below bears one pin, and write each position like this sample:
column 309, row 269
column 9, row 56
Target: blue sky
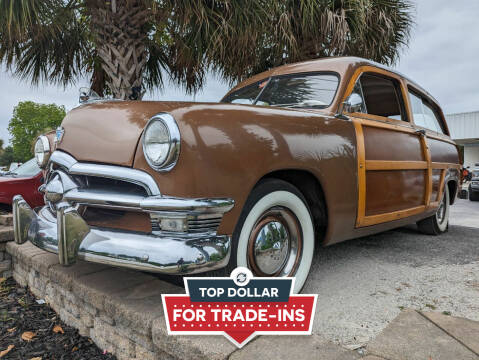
column 442, row 57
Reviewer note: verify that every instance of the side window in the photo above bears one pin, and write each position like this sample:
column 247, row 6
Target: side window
column 382, row 96
column 424, row 114
column 432, row 118
column 246, row 95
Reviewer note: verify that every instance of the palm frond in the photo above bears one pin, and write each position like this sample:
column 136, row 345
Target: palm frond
column 59, row 40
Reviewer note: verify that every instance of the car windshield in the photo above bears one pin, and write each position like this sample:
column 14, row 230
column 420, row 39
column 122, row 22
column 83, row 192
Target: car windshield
column 30, row 168
column 297, row 90
column 475, row 173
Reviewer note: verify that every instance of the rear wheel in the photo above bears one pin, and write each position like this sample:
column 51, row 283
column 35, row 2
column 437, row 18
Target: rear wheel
column 439, row 222
column 274, row 236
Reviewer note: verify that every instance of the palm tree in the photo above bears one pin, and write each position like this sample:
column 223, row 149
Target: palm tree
column 128, row 46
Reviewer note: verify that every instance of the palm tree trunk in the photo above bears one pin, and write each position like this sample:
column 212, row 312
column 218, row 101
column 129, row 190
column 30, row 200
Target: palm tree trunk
column 120, row 28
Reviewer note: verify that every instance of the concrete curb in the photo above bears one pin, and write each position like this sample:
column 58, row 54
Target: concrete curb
column 121, row 311
column 6, row 220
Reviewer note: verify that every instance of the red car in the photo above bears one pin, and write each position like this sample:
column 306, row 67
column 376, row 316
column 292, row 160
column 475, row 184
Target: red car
column 24, row 180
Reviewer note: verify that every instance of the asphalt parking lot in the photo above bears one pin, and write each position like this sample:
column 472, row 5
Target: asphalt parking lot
column 363, row 284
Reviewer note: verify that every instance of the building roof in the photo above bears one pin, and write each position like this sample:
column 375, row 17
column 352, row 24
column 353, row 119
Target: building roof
column 464, row 126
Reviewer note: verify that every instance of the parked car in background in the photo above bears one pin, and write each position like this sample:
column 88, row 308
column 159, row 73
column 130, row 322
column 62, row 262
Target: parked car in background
column 24, row 180
column 298, row 157
column 474, row 186
column 8, row 169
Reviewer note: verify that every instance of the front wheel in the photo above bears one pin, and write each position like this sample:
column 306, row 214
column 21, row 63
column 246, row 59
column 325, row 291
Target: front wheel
column 438, row 223
column 274, row 236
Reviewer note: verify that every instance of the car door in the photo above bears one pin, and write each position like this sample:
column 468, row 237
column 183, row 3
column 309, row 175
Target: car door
column 393, row 158
column 429, row 120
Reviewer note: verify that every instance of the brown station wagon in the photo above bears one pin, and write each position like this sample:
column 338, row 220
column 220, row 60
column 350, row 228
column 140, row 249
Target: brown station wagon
column 299, row 157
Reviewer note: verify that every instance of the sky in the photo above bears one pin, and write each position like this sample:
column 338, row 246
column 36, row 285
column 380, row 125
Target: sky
column 442, row 56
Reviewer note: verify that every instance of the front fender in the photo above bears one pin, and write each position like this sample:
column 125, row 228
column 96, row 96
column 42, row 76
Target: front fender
column 226, row 149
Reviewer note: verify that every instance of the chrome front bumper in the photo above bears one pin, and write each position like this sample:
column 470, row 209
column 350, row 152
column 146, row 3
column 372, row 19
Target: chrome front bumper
column 68, row 235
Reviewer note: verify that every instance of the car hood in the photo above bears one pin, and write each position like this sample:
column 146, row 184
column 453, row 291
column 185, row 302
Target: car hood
column 12, row 179
column 108, row 132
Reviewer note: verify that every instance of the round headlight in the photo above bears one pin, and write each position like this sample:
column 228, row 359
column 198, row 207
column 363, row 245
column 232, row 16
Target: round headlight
column 42, row 151
column 161, row 142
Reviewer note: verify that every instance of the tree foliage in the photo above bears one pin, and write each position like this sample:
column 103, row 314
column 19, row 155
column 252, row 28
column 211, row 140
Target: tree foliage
column 6, row 156
column 126, row 43
column 30, row 120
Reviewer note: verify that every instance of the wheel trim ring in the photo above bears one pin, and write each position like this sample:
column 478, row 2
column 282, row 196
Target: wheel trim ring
column 441, row 211
column 276, row 214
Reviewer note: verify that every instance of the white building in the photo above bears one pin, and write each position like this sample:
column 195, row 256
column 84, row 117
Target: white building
column 464, row 130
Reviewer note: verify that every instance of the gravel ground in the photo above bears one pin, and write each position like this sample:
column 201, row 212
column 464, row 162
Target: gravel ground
column 363, row 284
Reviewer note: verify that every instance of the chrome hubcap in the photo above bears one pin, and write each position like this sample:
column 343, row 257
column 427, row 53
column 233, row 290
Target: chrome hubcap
column 441, row 212
column 274, row 246
column 271, row 247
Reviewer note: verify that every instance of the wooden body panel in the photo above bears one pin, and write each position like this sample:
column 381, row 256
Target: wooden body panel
column 395, row 168
column 391, row 145
column 409, row 190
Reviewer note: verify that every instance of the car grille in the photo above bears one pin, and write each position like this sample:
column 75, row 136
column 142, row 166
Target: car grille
column 113, row 185
column 126, row 198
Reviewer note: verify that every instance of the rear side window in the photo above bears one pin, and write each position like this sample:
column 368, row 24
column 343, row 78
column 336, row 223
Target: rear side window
column 382, row 96
column 424, row 114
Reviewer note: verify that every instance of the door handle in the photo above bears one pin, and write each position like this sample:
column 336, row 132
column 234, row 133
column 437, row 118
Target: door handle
column 421, row 132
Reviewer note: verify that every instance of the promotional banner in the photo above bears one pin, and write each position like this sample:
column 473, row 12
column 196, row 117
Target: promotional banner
column 239, row 307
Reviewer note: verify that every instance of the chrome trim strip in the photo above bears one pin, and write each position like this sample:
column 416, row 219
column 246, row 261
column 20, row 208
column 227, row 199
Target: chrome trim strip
column 148, row 252
column 113, row 200
column 205, row 206
column 63, row 159
column 152, row 203
column 134, row 176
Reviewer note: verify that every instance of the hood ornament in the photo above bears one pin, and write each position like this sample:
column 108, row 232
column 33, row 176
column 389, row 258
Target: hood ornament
column 59, row 134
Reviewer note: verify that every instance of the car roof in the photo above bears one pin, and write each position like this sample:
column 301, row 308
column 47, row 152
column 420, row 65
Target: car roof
column 341, row 65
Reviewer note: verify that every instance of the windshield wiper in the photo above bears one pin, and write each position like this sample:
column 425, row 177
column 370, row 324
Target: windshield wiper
column 303, row 104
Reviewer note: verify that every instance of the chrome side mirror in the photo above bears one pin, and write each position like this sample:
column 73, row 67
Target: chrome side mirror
column 354, row 103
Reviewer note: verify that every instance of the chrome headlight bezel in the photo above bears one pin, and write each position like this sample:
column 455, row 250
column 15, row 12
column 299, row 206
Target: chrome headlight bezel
column 173, row 151
column 45, row 151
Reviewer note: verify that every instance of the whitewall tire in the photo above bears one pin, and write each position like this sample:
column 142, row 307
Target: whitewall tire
column 275, row 234
column 438, row 223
